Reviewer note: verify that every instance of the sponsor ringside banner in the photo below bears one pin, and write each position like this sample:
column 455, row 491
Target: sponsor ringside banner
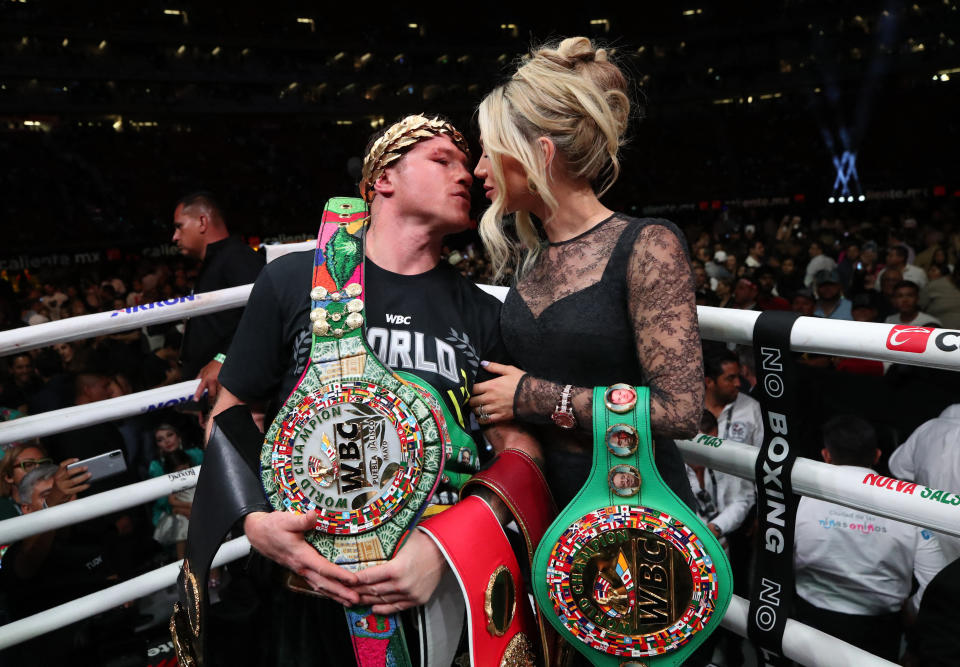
column 771, row 593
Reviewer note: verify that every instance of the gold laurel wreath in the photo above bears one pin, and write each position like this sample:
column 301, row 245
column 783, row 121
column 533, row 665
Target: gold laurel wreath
column 395, row 141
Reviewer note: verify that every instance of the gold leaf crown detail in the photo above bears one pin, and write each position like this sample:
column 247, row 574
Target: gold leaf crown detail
column 397, row 140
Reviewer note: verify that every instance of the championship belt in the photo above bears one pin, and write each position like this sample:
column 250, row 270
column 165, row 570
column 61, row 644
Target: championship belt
column 627, row 573
column 358, row 443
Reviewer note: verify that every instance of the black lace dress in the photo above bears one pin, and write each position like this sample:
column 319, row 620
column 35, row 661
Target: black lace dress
column 614, row 304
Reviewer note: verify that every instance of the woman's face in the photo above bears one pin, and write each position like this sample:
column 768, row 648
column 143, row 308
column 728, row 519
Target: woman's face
column 30, row 456
column 517, row 196
column 167, row 440
column 787, row 266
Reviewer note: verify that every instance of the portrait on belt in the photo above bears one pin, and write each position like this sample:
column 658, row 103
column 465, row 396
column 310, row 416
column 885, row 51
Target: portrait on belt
column 624, row 480
column 622, row 440
column 620, row 398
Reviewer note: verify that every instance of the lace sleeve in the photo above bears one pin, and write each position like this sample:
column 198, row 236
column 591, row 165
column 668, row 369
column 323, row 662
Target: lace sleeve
column 661, row 302
column 662, row 307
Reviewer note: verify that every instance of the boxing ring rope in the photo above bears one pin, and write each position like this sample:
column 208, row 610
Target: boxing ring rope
column 84, row 509
column 108, row 598
column 79, row 416
column 887, row 497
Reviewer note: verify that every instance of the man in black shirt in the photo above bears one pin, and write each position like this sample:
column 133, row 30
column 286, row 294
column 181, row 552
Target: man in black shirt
column 422, row 316
column 201, row 233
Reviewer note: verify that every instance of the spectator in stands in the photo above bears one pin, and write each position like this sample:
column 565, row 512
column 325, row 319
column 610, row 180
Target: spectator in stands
column 49, row 569
column 723, row 501
column 745, row 294
column 738, row 416
column 724, row 292
column 748, row 371
column 15, row 464
column 716, row 267
column 854, row 569
column 171, row 528
column 818, row 262
column 831, row 304
column 941, row 298
column 55, row 389
column 897, row 259
column 24, row 382
column 755, row 255
column 803, row 302
column 847, row 266
column 931, row 456
column 169, row 443
column 887, row 282
column 226, row 261
column 767, row 297
column 905, row 297
column 864, row 307
column 790, row 279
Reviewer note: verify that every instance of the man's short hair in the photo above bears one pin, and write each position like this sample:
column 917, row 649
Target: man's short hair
column 907, row 283
column 851, row 440
column 204, row 199
column 714, row 361
column 31, row 479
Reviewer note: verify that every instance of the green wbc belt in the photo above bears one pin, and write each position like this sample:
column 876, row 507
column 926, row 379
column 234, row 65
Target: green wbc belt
column 627, row 573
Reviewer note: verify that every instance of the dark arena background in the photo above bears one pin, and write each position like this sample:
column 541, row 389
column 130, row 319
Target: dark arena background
column 812, row 128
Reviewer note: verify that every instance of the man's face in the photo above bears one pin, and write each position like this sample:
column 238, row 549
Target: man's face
column 905, row 300
column 623, row 480
column 432, row 182
column 727, row 385
column 40, row 492
column 98, row 389
column 828, row 291
column 745, row 293
column 766, row 282
column 758, row 250
column 890, row 278
column 894, row 258
column 699, row 276
column 22, row 370
column 803, row 305
column 188, row 229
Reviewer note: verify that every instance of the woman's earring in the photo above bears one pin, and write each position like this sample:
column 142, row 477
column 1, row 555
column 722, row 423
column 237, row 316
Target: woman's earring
column 531, row 186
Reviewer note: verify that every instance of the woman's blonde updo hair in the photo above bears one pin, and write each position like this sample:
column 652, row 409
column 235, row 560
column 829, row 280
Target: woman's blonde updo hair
column 572, row 94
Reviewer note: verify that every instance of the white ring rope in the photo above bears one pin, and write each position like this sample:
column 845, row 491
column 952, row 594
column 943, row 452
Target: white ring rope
column 893, row 498
column 806, row 645
column 95, row 603
column 863, row 340
column 79, row 416
column 99, row 324
column 83, row 509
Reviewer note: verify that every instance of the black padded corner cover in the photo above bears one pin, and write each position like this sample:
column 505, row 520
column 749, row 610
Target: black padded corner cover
column 228, row 489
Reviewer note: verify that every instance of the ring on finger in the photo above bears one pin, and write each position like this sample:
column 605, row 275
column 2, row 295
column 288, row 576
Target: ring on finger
column 482, row 414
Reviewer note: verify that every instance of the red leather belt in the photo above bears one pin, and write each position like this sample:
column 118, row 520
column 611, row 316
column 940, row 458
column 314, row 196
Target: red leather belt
column 499, row 615
column 518, row 481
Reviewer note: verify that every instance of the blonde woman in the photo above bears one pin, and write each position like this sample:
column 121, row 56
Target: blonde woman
column 600, row 297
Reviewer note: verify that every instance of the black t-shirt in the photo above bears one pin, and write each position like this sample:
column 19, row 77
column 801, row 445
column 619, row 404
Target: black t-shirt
column 227, row 263
column 436, row 325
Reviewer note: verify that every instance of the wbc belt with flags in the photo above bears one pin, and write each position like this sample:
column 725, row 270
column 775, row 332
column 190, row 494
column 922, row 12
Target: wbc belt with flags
column 627, row 573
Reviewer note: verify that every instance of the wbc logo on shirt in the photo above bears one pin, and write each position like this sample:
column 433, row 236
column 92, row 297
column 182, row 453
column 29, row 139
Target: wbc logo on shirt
column 904, row 338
